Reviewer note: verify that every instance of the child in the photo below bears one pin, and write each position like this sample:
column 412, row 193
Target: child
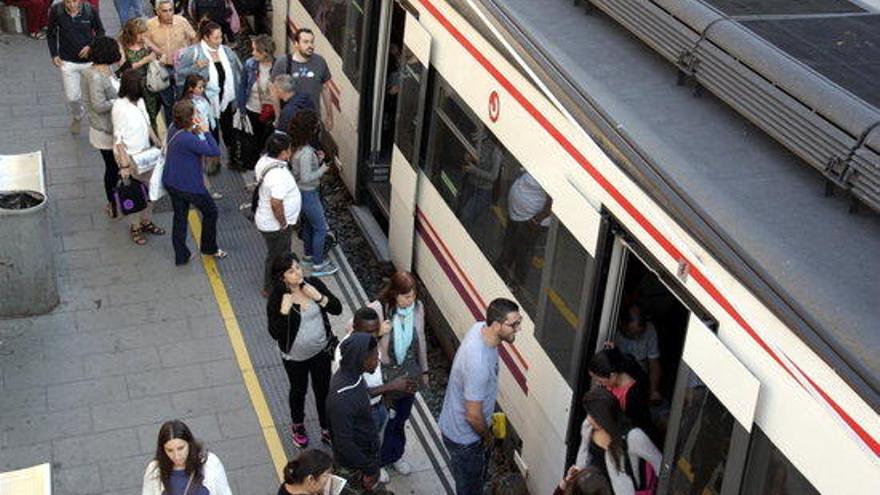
column 194, row 90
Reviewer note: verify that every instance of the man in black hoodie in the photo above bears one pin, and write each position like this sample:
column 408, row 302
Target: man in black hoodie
column 355, row 441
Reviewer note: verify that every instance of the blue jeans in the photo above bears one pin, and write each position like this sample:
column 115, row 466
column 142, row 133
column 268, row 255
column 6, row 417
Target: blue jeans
column 468, row 464
column 394, row 443
column 380, row 417
column 314, row 226
column 167, row 96
column 128, row 9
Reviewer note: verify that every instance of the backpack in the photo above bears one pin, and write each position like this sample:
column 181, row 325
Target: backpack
column 255, row 196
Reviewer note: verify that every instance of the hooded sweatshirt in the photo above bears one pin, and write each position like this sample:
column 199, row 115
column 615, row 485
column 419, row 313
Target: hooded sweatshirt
column 355, row 440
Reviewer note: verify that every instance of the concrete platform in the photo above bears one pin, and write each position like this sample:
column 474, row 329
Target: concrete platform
column 136, row 340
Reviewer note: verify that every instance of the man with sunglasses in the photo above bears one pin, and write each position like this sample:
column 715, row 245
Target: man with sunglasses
column 471, row 393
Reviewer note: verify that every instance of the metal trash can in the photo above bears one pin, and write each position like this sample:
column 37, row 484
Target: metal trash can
column 28, row 284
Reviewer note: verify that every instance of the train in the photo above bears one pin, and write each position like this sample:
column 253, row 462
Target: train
column 526, row 150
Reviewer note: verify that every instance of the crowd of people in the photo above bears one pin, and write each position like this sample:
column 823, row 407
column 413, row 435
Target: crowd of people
column 364, row 386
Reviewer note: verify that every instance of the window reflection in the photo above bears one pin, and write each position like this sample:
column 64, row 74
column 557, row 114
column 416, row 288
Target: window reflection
column 769, row 472
column 405, row 83
column 342, row 23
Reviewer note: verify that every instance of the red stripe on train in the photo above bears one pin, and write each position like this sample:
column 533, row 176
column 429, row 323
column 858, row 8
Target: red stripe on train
column 476, row 312
column 638, row 216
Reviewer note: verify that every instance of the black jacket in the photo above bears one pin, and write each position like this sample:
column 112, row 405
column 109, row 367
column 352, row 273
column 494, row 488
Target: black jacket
column 67, row 35
column 355, row 439
column 283, row 328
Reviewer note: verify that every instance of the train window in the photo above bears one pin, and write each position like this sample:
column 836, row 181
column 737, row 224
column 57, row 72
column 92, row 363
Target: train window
column 497, row 201
column 768, row 472
column 407, row 78
column 342, row 23
column 570, row 273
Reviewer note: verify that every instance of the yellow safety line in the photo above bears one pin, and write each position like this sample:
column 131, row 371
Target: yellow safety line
column 258, row 399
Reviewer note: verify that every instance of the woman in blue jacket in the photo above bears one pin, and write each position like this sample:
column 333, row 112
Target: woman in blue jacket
column 187, row 142
column 255, row 95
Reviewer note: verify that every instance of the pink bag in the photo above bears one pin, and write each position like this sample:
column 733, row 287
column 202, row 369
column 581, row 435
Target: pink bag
column 649, row 480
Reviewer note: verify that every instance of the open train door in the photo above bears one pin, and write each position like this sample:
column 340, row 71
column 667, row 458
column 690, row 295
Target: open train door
column 407, row 141
column 712, row 412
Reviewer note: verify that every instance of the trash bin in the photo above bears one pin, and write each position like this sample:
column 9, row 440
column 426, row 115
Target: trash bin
column 28, row 283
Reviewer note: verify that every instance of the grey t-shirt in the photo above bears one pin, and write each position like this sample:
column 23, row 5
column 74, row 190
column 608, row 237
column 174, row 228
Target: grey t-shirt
column 308, row 77
column 474, row 377
column 307, row 169
column 311, row 338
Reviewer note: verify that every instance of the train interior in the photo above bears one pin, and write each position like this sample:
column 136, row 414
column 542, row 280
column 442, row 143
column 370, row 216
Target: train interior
column 378, row 184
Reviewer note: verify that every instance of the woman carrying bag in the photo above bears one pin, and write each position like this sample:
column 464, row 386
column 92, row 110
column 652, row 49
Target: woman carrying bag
column 132, row 134
column 298, row 315
column 404, row 353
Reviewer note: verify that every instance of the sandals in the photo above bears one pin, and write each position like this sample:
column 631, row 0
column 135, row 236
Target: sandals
column 110, row 211
column 152, row 228
column 137, row 236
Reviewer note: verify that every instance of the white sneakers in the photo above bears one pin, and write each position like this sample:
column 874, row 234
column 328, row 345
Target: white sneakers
column 383, row 476
column 402, row 467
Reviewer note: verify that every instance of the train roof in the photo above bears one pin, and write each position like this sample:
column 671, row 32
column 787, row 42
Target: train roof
column 757, row 207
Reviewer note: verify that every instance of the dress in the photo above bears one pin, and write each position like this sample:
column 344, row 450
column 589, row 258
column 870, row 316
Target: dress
column 151, row 100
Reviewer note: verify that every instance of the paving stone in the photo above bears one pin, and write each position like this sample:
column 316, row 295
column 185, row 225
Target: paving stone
column 23, row 401
column 204, row 326
column 134, row 412
column 222, row 372
column 121, row 363
column 124, row 475
column 241, row 452
column 238, row 423
column 96, row 447
column 25, row 456
column 24, row 430
column 254, row 480
column 77, row 480
column 96, row 391
column 38, row 372
column 148, row 334
column 196, row 351
column 210, row 400
column 165, row 380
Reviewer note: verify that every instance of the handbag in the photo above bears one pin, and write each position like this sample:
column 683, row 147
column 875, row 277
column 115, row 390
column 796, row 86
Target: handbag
column 649, row 480
column 157, row 187
column 130, row 196
column 147, row 160
column 158, row 78
column 267, row 113
column 244, row 150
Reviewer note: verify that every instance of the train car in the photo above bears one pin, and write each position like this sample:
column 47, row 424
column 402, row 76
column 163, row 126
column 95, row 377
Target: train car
column 522, row 149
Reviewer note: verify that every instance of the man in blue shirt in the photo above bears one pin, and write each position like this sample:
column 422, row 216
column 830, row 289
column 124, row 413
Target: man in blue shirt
column 471, row 393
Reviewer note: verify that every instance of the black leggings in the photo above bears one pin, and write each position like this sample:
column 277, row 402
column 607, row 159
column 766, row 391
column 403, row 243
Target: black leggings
column 111, row 173
column 298, row 372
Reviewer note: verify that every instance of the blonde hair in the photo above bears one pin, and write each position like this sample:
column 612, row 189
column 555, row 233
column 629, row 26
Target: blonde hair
column 131, row 30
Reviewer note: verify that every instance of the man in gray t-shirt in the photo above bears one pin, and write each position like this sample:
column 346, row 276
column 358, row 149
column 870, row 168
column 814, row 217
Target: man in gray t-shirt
column 309, row 72
column 465, row 420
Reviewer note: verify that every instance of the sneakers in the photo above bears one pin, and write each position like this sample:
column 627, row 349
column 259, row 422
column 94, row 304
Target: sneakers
column 300, row 437
column 324, row 269
column 76, row 125
column 217, row 195
column 383, row 476
column 326, row 439
column 402, row 467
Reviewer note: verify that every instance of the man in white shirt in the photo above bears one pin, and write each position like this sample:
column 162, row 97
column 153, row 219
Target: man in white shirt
column 528, row 213
column 278, row 202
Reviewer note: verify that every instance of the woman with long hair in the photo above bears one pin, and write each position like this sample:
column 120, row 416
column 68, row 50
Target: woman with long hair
column 621, row 375
column 254, row 96
column 307, row 474
column 221, row 68
column 132, row 134
column 139, row 52
column 308, row 170
column 182, row 466
column 100, row 87
column 614, row 447
column 298, row 312
column 404, row 353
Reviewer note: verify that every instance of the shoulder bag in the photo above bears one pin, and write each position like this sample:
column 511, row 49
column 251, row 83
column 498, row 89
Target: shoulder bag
column 158, row 78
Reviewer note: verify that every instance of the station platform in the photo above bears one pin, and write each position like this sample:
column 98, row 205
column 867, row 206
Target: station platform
column 136, row 341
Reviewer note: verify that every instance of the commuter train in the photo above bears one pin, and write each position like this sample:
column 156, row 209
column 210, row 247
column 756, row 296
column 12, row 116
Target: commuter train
column 523, row 149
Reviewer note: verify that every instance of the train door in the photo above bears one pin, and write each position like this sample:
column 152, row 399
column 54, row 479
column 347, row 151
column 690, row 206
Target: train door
column 713, row 408
column 413, row 88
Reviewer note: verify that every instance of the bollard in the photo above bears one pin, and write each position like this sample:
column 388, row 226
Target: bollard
column 28, row 284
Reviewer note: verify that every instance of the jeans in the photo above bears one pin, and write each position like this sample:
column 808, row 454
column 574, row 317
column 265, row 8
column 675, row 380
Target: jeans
column 128, row 9
column 278, row 243
column 314, row 226
column 70, row 74
column 468, row 464
column 394, row 442
column 167, row 98
column 180, row 201
column 380, row 417
column 298, row 373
